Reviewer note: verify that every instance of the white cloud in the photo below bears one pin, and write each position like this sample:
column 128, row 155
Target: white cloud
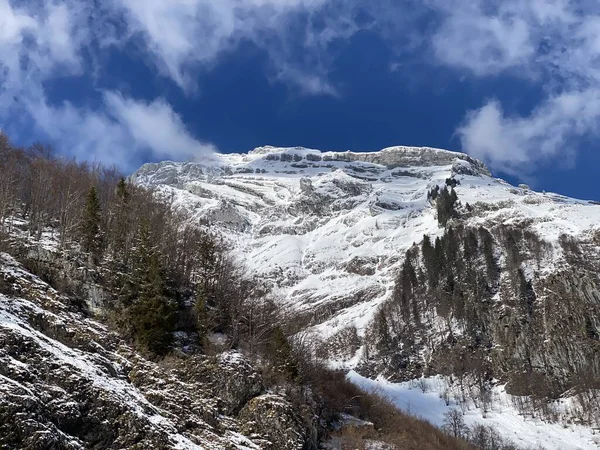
column 515, row 144
column 13, row 23
column 37, row 44
column 511, row 35
column 155, row 126
column 182, row 35
column 555, row 43
column 121, row 132
column 483, row 44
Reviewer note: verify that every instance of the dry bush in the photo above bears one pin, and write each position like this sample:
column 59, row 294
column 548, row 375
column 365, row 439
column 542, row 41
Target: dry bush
column 390, row 425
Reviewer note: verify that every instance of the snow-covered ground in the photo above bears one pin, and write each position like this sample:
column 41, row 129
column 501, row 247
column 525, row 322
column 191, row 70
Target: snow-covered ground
column 328, row 230
column 88, row 364
column 502, row 415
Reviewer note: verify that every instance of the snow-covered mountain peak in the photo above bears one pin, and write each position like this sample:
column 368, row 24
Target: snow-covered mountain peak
column 391, row 157
column 269, row 149
column 302, row 161
column 328, row 230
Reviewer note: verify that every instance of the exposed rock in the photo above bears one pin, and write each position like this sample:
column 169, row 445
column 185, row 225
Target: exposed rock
column 274, row 413
column 361, row 265
column 226, row 215
column 67, row 382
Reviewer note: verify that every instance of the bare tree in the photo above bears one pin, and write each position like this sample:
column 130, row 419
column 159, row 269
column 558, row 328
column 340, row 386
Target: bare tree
column 454, row 424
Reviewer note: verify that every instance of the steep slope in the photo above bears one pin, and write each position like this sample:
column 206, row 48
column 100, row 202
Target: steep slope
column 329, row 230
column 67, row 382
column 503, row 296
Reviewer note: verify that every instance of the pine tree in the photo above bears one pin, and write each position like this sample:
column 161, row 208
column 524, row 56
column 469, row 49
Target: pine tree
column 381, row 329
column 404, row 291
column 152, row 313
column 445, row 202
column 283, row 354
column 90, row 227
column 122, row 190
column 120, row 225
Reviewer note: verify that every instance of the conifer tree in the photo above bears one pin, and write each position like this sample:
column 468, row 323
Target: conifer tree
column 284, row 359
column 406, row 295
column 152, row 313
column 122, row 190
column 430, row 261
column 90, row 227
column 120, row 224
column 445, row 202
column 381, row 327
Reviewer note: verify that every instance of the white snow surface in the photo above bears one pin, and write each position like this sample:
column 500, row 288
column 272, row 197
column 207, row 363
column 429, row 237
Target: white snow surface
column 328, row 230
column 523, row 431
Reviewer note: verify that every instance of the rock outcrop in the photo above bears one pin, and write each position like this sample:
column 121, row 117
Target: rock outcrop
column 68, row 382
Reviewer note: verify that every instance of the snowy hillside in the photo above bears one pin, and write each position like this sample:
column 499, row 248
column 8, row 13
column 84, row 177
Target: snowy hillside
column 328, row 230
column 67, row 382
column 425, row 398
column 330, row 233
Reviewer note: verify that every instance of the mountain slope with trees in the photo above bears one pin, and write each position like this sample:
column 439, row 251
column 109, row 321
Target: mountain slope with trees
column 413, row 262
column 125, row 323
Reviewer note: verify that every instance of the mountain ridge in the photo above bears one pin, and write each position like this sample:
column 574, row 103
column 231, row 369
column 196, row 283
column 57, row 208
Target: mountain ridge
column 431, row 274
column 390, row 157
column 286, row 211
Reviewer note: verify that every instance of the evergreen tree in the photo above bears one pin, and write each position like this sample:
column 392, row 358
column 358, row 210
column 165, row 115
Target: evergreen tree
column 433, row 193
column 120, row 225
column 452, row 182
column 283, row 355
column 405, row 290
column 445, row 202
column 451, row 245
column 383, row 331
column 90, row 227
column 430, row 261
column 152, row 313
column 122, row 190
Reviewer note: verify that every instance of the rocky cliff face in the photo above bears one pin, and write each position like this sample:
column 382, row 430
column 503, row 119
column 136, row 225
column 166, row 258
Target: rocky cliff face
column 67, row 382
column 329, row 231
column 504, row 287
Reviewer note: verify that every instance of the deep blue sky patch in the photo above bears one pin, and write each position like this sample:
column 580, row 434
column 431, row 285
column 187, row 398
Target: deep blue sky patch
column 131, row 83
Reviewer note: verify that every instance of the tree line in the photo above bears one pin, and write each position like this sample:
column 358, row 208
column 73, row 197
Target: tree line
column 471, row 300
column 160, row 272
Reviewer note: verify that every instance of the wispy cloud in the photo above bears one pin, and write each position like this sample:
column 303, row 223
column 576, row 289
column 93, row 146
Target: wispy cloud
column 554, row 43
column 34, row 45
column 182, row 35
column 38, row 43
column 120, row 132
column 515, row 144
column 156, row 127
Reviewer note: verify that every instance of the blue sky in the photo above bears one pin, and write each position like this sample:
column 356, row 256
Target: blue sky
column 515, row 83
